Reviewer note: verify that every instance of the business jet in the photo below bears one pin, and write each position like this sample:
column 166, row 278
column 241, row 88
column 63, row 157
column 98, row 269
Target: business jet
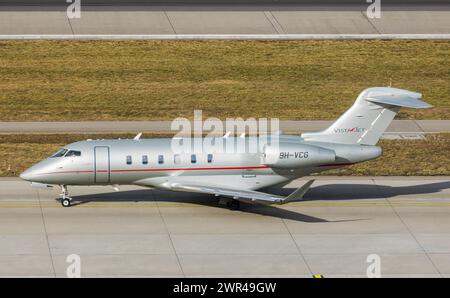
column 234, row 177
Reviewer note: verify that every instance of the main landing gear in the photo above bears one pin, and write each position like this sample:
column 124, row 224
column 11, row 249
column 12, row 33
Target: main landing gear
column 232, row 204
column 66, row 201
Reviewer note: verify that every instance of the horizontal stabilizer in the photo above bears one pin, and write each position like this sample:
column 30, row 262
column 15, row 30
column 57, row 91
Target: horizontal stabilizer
column 404, row 98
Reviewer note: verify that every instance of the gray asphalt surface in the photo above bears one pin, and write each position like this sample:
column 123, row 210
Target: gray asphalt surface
column 177, row 22
column 141, row 232
column 326, row 3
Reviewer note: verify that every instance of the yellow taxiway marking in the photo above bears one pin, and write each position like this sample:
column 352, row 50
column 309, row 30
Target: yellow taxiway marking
column 153, row 204
column 317, row 276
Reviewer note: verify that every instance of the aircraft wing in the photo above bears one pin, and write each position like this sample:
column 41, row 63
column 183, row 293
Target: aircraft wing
column 248, row 196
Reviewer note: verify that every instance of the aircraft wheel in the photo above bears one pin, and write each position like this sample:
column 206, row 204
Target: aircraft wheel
column 65, row 202
column 234, row 205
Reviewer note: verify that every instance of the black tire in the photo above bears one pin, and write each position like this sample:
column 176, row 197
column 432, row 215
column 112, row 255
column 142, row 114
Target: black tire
column 234, row 205
column 65, row 202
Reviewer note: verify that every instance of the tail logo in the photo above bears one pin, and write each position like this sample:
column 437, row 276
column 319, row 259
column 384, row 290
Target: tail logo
column 349, row 130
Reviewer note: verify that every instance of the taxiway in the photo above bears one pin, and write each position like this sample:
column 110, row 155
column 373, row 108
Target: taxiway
column 224, row 22
column 142, row 232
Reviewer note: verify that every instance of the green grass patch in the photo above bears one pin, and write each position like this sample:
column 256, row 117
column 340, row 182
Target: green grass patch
column 155, row 80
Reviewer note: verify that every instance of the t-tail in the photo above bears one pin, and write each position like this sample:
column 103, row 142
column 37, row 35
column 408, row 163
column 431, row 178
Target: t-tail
column 369, row 117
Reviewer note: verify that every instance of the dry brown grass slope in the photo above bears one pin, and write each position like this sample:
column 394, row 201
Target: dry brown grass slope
column 151, row 80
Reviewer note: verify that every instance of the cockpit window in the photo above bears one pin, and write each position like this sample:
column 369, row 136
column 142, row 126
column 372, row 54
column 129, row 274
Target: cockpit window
column 60, row 153
column 66, row 153
column 73, row 153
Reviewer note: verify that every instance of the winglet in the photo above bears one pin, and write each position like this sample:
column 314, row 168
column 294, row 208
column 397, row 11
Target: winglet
column 138, row 136
column 298, row 194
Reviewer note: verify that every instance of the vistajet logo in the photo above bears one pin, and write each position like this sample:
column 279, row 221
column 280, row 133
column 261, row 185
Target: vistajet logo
column 349, row 130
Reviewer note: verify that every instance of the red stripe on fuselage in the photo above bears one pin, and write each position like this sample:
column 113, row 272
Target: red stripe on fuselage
column 162, row 170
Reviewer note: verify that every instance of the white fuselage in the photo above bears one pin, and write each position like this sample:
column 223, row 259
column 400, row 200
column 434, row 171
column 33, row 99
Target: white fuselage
column 152, row 162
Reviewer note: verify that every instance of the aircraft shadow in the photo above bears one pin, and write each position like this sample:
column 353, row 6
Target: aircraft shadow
column 153, row 195
column 362, row 191
column 321, row 192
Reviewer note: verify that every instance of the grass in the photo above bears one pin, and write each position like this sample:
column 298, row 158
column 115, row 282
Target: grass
column 154, row 80
column 430, row 157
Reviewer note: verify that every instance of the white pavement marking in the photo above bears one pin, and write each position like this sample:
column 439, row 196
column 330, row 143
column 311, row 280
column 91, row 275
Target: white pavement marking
column 222, row 36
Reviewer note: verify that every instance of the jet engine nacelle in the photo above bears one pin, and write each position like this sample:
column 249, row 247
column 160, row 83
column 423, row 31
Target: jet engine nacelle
column 295, row 155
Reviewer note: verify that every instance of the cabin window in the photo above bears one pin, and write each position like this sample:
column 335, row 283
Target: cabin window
column 176, row 158
column 73, row 153
column 160, row 159
column 129, row 160
column 210, row 158
column 193, row 158
column 60, row 153
column 144, row 159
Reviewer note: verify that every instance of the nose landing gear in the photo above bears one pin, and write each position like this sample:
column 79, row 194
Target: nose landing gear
column 66, row 201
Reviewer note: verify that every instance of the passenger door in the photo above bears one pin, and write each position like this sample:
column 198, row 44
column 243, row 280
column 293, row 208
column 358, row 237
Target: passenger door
column 101, row 164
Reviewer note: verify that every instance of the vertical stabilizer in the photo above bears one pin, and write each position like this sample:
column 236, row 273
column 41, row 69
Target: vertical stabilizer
column 369, row 117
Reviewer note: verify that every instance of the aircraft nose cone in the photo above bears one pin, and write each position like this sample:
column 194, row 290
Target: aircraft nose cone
column 27, row 175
